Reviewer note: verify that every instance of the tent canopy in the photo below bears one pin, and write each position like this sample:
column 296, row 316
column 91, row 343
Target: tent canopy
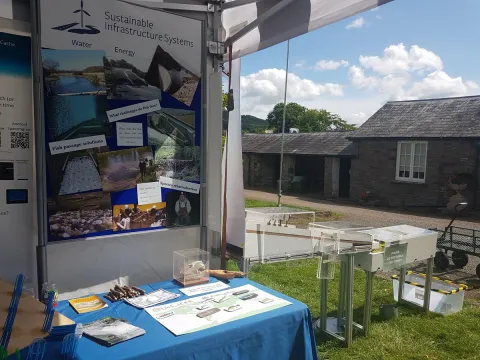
column 295, row 17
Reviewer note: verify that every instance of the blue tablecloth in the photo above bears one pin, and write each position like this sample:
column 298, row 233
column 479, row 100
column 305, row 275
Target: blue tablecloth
column 284, row 333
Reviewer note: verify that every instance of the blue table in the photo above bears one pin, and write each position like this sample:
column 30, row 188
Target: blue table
column 284, row 333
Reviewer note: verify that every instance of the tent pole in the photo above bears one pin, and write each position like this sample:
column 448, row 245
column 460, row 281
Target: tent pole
column 283, row 127
column 40, row 165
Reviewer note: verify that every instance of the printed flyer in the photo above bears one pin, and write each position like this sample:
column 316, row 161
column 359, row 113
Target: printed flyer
column 123, row 110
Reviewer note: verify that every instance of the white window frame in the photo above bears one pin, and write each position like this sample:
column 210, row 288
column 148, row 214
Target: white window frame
column 410, row 178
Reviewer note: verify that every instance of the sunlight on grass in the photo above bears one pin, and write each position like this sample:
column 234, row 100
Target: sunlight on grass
column 414, row 335
column 319, row 215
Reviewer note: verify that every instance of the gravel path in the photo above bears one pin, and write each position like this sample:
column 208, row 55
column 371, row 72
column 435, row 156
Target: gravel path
column 387, row 217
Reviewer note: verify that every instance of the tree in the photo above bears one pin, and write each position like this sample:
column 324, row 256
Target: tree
column 224, row 100
column 313, row 120
column 306, row 120
column 292, row 115
column 50, row 66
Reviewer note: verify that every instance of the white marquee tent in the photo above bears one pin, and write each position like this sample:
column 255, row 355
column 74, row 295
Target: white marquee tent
column 247, row 25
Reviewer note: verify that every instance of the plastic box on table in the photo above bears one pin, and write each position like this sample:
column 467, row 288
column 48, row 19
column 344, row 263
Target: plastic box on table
column 191, row 267
column 446, row 297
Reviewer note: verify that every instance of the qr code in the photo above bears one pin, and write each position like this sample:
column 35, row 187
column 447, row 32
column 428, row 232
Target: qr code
column 20, row 140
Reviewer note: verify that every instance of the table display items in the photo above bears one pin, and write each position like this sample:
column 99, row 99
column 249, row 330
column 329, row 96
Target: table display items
column 12, row 311
column 204, row 288
column 153, row 298
column 60, row 332
column 110, row 331
column 191, row 267
column 225, row 274
column 69, row 346
column 47, row 323
column 36, row 349
column 87, row 304
column 124, row 292
column 203, row 312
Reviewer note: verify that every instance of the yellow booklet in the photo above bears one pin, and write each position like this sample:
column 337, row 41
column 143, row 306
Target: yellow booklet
column 88, row 304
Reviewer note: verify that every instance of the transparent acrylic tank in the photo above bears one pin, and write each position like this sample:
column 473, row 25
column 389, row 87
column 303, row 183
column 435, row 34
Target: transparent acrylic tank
column 191, row 267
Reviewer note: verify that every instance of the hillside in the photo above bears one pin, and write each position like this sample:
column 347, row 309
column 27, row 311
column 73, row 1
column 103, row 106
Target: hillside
column 250, row 123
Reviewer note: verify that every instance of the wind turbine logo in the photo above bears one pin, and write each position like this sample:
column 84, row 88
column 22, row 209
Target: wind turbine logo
column 81, row 11
column 82, row 29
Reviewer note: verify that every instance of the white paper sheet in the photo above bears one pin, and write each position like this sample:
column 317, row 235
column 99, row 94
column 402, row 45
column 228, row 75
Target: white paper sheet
column 154, row 298
column 129, row 134
column 187, row 316
column 180, row 185
column 149, row 193
column 204, row 288
column 133, row 110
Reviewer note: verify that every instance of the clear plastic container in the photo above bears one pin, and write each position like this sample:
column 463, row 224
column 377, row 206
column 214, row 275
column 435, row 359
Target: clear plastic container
column 191, row 267
column 446, row 297
column 326, row 266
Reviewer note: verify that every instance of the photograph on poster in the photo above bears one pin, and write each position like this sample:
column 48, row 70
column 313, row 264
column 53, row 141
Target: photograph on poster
column 6, row 170
column 180, row 163
column 167, row 74
column 79, row 215
column 126, row 81
column 124, row 169
column 74, row 172
column 183, row 209
column 73, row 72
column 77, row 116
column 171, row 127
column 133, row 216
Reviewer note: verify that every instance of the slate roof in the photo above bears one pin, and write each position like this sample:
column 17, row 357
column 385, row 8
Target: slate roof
column 435, row 118
column 322, row 143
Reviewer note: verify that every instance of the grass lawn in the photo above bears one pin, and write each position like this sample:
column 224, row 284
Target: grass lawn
column 319, row 215
column 413, row 335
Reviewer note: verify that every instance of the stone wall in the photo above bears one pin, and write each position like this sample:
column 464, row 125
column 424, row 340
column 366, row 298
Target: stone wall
column 288, row 171
column 259, row 170
column 374, row 171
column 332, row 180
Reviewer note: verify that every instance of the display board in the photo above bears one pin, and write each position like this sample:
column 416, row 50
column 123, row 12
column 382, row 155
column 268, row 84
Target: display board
column 203, row 312
column 122, row 100
column 17, row 203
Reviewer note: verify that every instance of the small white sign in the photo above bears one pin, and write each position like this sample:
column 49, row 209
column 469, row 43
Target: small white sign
column 60, row 147
column 133, row 110
column 129, row 134
column 205, row 288
column 180, row 185
column 149, row 193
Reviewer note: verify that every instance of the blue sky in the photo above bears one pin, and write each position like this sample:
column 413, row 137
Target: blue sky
column 74, row 59
column 439, row 58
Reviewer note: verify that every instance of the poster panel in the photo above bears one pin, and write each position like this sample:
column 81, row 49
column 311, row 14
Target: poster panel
column 122, row 110
column 16, row 157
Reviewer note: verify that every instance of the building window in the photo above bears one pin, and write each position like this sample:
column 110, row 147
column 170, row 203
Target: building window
column 411, row 161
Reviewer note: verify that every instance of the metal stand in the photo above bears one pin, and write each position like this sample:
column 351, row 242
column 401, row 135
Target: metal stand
column 341, row 326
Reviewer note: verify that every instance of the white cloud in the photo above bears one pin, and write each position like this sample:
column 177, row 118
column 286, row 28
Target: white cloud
column 375, row 9
column 357, row 23
column 300, row 64
column 440, row 84
column 396, row 59
column 260, row 91
column 379, row 17
column 323, row 65
column 400, row 73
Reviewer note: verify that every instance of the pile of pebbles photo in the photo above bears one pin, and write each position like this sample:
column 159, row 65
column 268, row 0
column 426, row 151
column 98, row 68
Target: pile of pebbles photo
column 80, row 175
column 75, row 223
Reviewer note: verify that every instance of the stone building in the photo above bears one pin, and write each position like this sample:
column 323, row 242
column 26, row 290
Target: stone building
column 419, row 153
column 322, row 159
